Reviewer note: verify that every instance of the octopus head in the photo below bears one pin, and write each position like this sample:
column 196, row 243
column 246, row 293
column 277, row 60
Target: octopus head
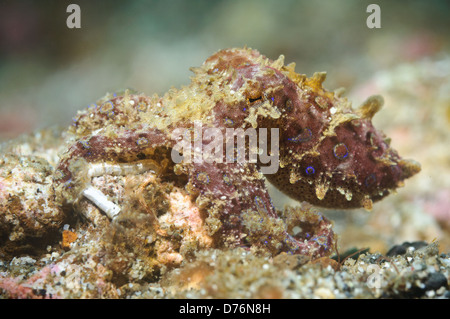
column 330, row 154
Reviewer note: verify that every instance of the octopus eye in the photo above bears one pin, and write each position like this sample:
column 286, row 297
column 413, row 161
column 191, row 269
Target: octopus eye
column 310, row 170
column 304, row 136
column 253, row 100
column 340, row 151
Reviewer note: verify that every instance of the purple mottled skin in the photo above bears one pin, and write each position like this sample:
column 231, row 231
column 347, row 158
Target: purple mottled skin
column 330, row 154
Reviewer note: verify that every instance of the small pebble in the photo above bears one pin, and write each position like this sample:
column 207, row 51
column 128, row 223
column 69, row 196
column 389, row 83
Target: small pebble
column 435, row 281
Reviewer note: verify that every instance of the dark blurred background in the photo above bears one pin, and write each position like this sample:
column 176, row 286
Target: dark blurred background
column 48, row 71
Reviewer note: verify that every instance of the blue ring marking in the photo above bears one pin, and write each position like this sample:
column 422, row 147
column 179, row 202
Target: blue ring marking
column 310, row 170
column 338, row 156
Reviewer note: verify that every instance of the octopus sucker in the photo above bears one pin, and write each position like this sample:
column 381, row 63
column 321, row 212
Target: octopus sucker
column 328, row 154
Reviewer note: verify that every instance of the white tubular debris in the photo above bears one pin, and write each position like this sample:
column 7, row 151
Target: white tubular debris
column 101, row 201
column 120, row 169
column 99, row 169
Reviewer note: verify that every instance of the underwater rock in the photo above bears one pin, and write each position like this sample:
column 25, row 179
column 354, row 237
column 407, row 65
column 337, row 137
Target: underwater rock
column 402, row 249
column 29, row 216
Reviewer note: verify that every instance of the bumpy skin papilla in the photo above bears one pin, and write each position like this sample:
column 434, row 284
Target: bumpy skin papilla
column 330, row 154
